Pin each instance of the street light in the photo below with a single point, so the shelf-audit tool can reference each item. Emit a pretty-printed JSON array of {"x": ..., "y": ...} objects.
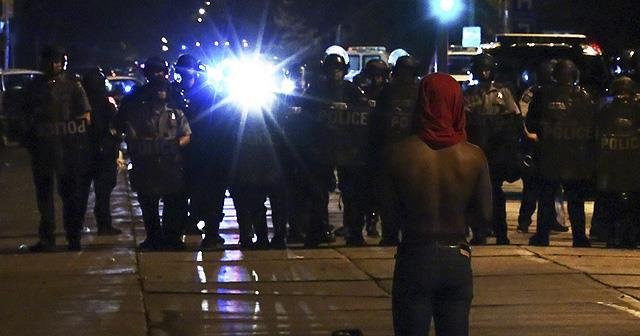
[{"x": 446, "y": 11}]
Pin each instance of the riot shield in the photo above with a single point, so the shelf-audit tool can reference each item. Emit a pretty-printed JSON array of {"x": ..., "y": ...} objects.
[
  {"x": 618, "y": 150},
  {"x": 347, "y": 133},
  {"x": 156, "y": 167},
  {"x": 566, "y": 143}
]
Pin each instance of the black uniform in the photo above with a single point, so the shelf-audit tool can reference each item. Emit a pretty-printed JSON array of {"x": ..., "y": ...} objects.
[
  {"x": 152, "y": 134},
  {"x": 391, "y": 121},
  {"x": 56, "y": 137},
  {"x": 258, "y": 174},
  {"x": 562, "y": 116},
  {"x": 617, "y": 166},
  {"x": 103, "y": 147},
  {"x": 341, "y": 138},
  {"x": 206, "y": 158},
  {"x": 495, "y": 125}
]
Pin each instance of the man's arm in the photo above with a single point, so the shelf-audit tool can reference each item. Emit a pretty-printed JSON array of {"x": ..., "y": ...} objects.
[
  {"x": 83, "y": 103},
  {"x": 184, "y": 130},
  {"x": 481, "y": 202}
]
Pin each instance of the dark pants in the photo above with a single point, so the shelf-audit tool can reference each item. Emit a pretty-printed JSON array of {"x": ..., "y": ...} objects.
[
  {"x": 531, "y": 192},
  {"x": 207, "y": 181},
  {"x": 432, "y": 281},
  {"x": 576, "y": 193},
  {"x": 311, "y": 202},
  {"x": 354, "y": 186},
  {"x": 499, "y": 209},
  {"x": 69, "y": 189},
  {"x": 103, "y": 173},
  {"x": 252, "y": 213},
  {"x": 173, "y": 216},
  {"x": 620, "y": 218}
]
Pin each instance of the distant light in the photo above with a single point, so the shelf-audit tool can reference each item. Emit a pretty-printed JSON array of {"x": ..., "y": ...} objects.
[
  {"x": 287, "y": 86},
  {"x": 127, "y": 88},
  {"x": 165, "y": 48},
  {"x": 618, "y": 70},
  {"x": 164, "y": 40},
  {"x": 201, "y": 11},
  {"x": 199, "y": 20},
  {"x": 216, "y": 43},
  {"x": 227, "y": 43},
  {"x": 245, "y": 44},
  {"x": 446, "y": 10},
  {"x": 183, "y": 47},
  {"x": 447, "y": 5},
  {"x": 197, "y": 44},
  {"x": 208, "y": 3}
]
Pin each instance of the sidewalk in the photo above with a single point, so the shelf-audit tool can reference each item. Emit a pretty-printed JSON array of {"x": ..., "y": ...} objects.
[{"x": 110, "y": 289}]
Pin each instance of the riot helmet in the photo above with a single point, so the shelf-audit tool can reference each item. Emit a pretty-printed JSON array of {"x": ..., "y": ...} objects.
[
  {"x": 623, "y": 87},
  {"x": 405, "y": 67},
  {"x": 156, "y": 70},
  {"x": 54, "y": 60},
  {"x": 565, "y": 72},
  {"x": 334, "y": 66},
  {"x": 187, "y": 67},
  {"x": 483, "y": 67},
  {"x": 376, "y": 67},
  {"x": 94, "y": 82},
  {"x": 545, "y": 71}
]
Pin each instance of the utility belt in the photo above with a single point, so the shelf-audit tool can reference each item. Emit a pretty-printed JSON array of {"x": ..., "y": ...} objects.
[{"x": 62, "y": 128}]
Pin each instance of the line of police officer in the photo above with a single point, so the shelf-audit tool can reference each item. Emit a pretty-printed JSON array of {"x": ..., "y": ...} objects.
[{"x": 188, "y": 148}]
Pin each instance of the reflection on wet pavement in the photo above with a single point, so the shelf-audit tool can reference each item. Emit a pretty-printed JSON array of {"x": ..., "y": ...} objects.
[{"x": 111, "y": 289}]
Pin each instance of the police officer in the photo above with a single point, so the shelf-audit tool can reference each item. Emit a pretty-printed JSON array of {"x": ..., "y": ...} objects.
[
  {"x": 562, "y": 117},
  {"x": 617, "y": 164},
  {"x": 494, "y": 124},
  {"x": 372, "y": 80},
  {"x": 344, "y": 110},
  {"x": 530, "y": 178},
  {"x": 206, "y": 177},
  {"x": 155, "y": 130},
  {"x": 103, "y": 147},
  {"x": 57, "y": 114},
  {"x": 392, "y": 121}
]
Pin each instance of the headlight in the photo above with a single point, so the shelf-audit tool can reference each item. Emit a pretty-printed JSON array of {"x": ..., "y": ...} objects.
[{"x": 249, "y": 83}]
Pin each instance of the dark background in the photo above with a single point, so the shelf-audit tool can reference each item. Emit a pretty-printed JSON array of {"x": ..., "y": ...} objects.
[{"x": 110, "y": 32}]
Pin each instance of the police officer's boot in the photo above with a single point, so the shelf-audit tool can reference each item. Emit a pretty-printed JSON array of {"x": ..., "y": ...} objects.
[
  {"x": 371, "y": 224},
  {"x": 108, "y": 230}
]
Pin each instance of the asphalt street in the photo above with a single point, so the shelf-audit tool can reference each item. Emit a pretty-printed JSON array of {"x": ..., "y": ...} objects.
[{"x": 111, "y": 289}]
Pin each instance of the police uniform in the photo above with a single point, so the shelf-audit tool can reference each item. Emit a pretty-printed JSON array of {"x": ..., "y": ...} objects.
[
  {"x": 152, "y": 134},
  {"x": 206, "y": 164},
  {"x": 258, "y": 175},
  {"x": 562, "y": 116},
  {"x": 342, "y": 141},
  {"x": 56, "y": 137},
  {"x": 103, "y": 171},
  {"x": 495, "y": 125},
  {"x": 391, "y": 121},
  {"x": 617, "y": 165}
]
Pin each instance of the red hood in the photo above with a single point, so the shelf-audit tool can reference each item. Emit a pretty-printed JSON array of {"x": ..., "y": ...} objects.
[{"x": 441, "y": 119}]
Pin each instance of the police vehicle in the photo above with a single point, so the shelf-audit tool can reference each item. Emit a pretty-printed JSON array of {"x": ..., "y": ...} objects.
[
  {"x": 518, "y": 56},
  {"x": 460, "y": 62},
  {"x": 120, "y": 86},
  {"x": 359, "y": 56},
  {"x": 12, "y": 85}
]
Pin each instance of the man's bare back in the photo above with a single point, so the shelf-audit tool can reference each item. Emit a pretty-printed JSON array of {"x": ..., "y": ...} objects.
[{"x": 433, "y": 190}]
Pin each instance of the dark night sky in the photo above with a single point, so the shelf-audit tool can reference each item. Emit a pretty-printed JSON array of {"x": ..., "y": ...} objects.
[{"x": 108, "y": 31}]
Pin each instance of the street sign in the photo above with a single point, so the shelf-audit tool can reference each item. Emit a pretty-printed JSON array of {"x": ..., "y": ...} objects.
[{"x": 471, "y": 36}]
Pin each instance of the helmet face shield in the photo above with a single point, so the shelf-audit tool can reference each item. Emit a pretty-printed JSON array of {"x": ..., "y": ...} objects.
[{"x": 54, "y": 60}]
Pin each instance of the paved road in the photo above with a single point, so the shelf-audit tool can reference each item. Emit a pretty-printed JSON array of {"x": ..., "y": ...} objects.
[{"x": 110, "y": 289}]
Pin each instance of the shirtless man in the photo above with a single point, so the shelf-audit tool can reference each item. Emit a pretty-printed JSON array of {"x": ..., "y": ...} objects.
[{"x": 437, "y": 181}]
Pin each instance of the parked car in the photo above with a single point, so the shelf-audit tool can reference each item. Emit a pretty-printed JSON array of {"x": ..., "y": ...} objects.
[{"x": 12, "y": 85}]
